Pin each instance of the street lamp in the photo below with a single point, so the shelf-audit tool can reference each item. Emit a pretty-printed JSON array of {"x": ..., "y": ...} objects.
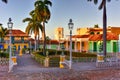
[
  {"x": 10, "y": 25},
  {"x": 70, "y": 26}
]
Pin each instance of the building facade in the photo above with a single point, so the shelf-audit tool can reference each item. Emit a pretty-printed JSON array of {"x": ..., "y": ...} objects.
[
  {"x": 19, "y": 39},
  {"x": 59, "y": 33},
  {"x": 90, "y": 40}
]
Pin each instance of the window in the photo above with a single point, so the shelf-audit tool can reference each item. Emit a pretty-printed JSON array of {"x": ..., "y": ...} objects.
[
  {"x": 25, "y": 46},
  {"x": 82, "y": 44}
]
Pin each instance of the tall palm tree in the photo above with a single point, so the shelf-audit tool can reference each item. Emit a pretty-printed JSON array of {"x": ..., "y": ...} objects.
[
  {"x": 43, "y": 15},
  {"x": 33, "y": 27},
  {"x": 3, "y": 32},
  {"x": 103, "y": 6}
]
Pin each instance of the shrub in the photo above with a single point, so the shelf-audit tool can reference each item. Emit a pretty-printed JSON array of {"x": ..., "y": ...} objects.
[
  {"x": 54, "y": 61},
  {"x": 74, "y": 54},
  {"x": 3, "y": 54},
  {"x": 39, "y": 57}
]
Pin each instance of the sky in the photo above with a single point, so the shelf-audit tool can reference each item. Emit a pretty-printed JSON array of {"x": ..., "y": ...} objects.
[{"x": 83, "y": 14}]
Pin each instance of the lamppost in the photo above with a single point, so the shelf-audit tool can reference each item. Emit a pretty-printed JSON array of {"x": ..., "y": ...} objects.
[
  {"x": 10, "y": 25},
  {"x": 70, "y": 26}
]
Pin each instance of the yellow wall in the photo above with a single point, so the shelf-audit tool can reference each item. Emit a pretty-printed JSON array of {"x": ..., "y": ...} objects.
[
  {"x": 59, "y": 33},
  {"x": 17, "y": 44},
  {"x": 86, "y": 45},
  {"x": 82, "y": 31},
  {"x": 78, "y": 46},
  {"x": 115, "y": 30}
]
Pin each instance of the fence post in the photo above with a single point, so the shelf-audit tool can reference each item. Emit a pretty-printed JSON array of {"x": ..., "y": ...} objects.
[
  {"x": 62, "y": 59},
  {"x": 14, "y": 59},
  {"x": 46, "y": 62},
  {"x": 100, "y": 60}
]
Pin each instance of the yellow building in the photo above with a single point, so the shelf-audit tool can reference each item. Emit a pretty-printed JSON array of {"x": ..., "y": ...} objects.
[
  {"x": 19, "y": 39},
  {"x": 85, "y": 31},
  {"x": 80, "y": 41},
  {"x": 59, "y": 33},
  {"x": 82, "y": 31}
]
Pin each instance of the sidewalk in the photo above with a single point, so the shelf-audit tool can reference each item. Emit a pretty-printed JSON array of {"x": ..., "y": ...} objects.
[
  {"x": 26, "y": 63},
  {"x": 28, "y": 69}
]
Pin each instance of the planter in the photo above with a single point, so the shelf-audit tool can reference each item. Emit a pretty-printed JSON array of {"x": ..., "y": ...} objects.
[
  {"x": 62, "y": 59},
  {"x": 46, "y": 63},
  {"x": 100, "y": 58},
  {"x": 14, "y": 59}
]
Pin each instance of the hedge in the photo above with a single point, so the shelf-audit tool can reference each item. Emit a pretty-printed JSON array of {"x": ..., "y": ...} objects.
[
  {"x": 74, "y": 54},
  {"x": 3, "y": 54}
]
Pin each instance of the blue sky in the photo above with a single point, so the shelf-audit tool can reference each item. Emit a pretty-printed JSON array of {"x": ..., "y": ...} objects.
[{"x": 83, "y": 13}]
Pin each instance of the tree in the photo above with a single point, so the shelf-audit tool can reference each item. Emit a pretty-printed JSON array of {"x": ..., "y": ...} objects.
[
  {"x": 43, "y": 14},
  {"x": 96, "y": 26},
  {"x": 33, "y": 27},
  {"x": 3, "y": 32},
  {"x": 103, "y": 6}
]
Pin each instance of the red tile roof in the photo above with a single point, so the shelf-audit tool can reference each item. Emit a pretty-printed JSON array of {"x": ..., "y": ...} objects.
[
  {"x": 54, "y": 42},
  {"x": 98, "y": 37},
  {"x": 18, "y": 33},
  {"x": 80, "y": 36}
]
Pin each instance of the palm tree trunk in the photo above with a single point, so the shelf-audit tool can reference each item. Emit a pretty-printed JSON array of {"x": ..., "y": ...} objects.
[
  {"x": 35, "y": 43},
  {"x": 44, "y": 46},
  {"x": 38, "y": 41},
  {"x": 104, "y": 28}
]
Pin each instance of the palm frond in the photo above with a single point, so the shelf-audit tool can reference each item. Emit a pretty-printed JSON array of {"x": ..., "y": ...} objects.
[
  {"x": 101, "y": 5},
  {"x": 37, "y": 3},
  {"x": 27, "y": 20},
  {"x": 95, "y": 1},
  {"x": 108, "y": 0},
  {"x": 47, "y": 2},
  {"x": 5, "y": 1}
]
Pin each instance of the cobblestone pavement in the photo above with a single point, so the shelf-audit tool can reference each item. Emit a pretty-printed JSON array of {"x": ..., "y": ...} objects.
[{"x": 28, "y": 69}]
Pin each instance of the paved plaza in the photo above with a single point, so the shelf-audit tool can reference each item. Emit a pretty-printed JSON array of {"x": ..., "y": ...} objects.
[{"x": 29, "y": 69}]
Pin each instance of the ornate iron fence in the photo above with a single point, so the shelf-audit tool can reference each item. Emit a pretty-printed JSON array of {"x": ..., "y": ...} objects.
[
  {"x": 4, "y": 62},
  {"x": 112, "y": 60}
]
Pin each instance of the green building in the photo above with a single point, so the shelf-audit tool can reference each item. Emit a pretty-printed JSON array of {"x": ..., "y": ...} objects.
[{"x": 96, "y": 43}]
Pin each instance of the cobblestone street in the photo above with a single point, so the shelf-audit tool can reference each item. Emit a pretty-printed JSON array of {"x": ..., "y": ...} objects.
[{"x": 28, "y": 69}]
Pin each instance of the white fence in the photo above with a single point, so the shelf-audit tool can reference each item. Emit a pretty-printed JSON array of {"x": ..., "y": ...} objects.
[
  {"x": 111, "y": 60},
  {"x": 4, "y": 62}
]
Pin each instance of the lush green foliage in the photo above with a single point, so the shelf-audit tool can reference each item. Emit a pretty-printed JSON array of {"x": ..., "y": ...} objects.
[
  {"x": 54, "y": 61},
  {"x": 74, "y": 54},
  {"x": 54, "y": 56},
  {"x": 39, "y": 58},
  {"x": 3, "y": 54}
]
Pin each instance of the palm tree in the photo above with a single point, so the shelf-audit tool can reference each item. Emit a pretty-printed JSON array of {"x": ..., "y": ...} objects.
[
  {"x": 3, "y": 32},
  {"x": 33, "y": 27},
  {"x": 103, "y": 6},
  {"x": 43, "y": 15}
]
